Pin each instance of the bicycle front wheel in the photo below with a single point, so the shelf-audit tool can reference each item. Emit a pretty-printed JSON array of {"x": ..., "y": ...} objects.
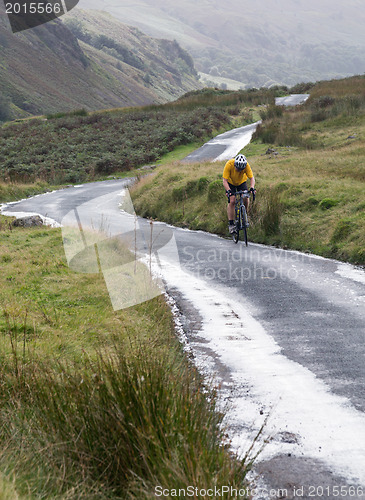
[
  {"x": 244, "y": 224},
  {"x": 245, "y": 235},
  {"x": 236, "y": 235}
]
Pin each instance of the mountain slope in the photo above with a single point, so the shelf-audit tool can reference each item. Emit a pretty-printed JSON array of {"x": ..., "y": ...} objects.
[
  {"x": 46, "y": 69},
  {"x": 162, "y": 65},
  {"x": 257, "y": 43}
]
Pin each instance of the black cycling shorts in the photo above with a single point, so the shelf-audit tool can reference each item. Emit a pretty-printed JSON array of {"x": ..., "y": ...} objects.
[{"x": 241, "y": 187}]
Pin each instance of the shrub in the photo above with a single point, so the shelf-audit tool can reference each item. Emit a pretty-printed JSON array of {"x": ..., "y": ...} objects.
[
  {"x": 179, "y": 193},
  {"x": 327, "y": 203},
  {"x": 358, "y": 255},
  {"x": 301, "y": 88},
  {"x": 105, "y": 165},
  {"x": 266, "y": 133},
  {"x": 312, "y": 201},
  {"x": 215, "y": 191},
  {"x": 348, "y": 105},
  {"x": 282, "y": 186},
  {"x": 202, "y": 184},
  {"x": 270, "y": 219},
  {"x": 271, "y": 112},
  {"x": 99, "y": 143},
  {"x": 342, "y": 230},
  {"x": 77, "y": 112},
  {"x": 322, "y": 102},
  {"x": 191, "y": 187},
  {"x": 318, "y": 116}
]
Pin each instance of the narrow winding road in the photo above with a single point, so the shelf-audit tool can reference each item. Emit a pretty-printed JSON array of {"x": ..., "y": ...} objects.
[{"x": 226, "y": 145}]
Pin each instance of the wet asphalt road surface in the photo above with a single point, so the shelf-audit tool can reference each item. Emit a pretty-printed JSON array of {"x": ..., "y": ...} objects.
[
  {"x": 224, "y": 146},
  {"x": 292, "y": 100}
]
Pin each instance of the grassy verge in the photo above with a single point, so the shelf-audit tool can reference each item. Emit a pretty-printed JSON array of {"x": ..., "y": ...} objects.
[
  {"x": 18, "y": 191},
  {"x": 95, "y": 403}
]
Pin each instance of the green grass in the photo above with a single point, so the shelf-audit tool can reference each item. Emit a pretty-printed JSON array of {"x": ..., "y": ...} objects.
[
  {"x": 8, "y": 490},
  {"x": 96, "y": 403},
  {"x": 17, "y": 191},
  {"x": 179, "y": 153},
  {"x": 327, "y": 119},
  {"x": 103, "y": 404}
]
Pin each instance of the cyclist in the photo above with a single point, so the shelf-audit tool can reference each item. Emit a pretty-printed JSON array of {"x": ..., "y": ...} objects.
[{"x": 235, "y": 174}]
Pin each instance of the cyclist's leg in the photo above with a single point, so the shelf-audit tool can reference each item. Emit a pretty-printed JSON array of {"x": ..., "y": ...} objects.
[
  {"x": 230, "y": 208},
  {"x": 231, "y": 204}
]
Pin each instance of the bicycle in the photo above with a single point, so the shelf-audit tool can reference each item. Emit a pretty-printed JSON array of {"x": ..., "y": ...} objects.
[{"x": 241, "y": 219}]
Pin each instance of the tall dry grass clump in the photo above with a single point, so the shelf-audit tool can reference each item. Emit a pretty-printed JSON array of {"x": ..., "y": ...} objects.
[
  {"x": 271, "y": 211},
  {"x": 112, "y": 428}
]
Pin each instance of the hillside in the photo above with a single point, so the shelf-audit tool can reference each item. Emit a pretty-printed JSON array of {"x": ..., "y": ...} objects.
[
  {"x": 46, "y": 69},
  {"x": 258, "y": 43},
  {"x": 160, "y": 65}
]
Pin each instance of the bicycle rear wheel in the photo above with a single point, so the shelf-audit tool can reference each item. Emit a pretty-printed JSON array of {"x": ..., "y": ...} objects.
[{"x": 236, "y": 235}]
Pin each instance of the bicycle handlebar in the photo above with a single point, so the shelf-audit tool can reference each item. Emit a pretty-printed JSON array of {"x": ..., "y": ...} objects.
[{"x": 246, "y": 194}]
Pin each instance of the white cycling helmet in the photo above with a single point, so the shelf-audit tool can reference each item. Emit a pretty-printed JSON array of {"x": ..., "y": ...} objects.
[{"x": 240, "y": 162}]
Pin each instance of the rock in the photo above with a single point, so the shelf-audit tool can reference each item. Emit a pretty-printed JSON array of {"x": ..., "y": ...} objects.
[
  {"x": 288, "y": 437},
  {"x": 29, "y": 221},
  {"x": 271, "y": 151}
]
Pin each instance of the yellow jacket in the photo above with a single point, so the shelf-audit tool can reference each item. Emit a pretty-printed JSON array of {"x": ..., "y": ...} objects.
[{"x": 233, "y": 176}]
